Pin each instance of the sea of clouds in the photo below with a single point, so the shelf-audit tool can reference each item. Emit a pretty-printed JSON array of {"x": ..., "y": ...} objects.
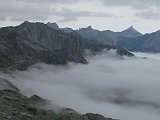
[{"x": 119, "y": 87}]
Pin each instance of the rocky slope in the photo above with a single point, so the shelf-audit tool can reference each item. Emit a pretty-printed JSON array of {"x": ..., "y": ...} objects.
[
  {"x": 15, "y": 106},
  {"x": 145, "y": 43},
  {"x": 31, "y": 43}
]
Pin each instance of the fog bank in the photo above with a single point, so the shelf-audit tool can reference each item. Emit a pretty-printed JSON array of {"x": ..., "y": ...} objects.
[{"x": 123, "y": 88}]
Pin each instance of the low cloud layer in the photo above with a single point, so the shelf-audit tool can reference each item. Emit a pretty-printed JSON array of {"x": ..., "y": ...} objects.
[{"x": 123, "y": 88}]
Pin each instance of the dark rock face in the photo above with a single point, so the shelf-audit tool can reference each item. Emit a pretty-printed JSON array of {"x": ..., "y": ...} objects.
[
  {"x": 31, "y": 43},
  {"x": 15, "y": 106},
  {"x": 145, "y": 43}
]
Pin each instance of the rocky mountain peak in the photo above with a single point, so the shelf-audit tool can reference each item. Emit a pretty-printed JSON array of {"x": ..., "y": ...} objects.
[
  {"x": 131, "y": 28},
  {"x": 131, "y": 32},
  {"x": 53, "y": 25},
  {"x": 89, "y": 28}
]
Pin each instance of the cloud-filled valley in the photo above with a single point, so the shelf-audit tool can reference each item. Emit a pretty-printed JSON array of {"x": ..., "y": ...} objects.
[{"x": 123, "y": 88}]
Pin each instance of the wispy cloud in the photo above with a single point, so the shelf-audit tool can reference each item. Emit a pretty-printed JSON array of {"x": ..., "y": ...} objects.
[
  {"x": 71, "y": 15},
  {"x": 136, "y": 4}
]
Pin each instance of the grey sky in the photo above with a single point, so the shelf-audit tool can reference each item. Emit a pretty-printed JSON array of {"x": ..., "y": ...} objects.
[
  {"x": 141, "y": 4},
  {"x": 101, "y": 14},
  {"x": 70, "y": 15}
]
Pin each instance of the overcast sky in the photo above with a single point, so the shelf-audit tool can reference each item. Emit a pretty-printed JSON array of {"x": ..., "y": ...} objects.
[{"x": 115, "y": 15}]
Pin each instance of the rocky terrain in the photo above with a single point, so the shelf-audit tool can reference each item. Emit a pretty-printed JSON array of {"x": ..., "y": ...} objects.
[
  {"x": 15, "y": 106},
  {"x": 30, "y": 43}
]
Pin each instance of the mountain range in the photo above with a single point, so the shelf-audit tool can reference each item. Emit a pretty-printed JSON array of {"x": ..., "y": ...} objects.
[
  {"x": 129, "y": 39},
  {"x": 31, "y": 43},
  {"x": 105, "y": 37}
]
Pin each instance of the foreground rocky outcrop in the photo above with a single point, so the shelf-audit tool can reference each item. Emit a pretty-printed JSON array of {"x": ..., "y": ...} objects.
[{"x": 15, "y": 106}]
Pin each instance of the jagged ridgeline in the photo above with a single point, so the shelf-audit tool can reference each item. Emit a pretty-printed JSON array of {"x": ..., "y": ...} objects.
[{"x": 31, "y": 43}]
